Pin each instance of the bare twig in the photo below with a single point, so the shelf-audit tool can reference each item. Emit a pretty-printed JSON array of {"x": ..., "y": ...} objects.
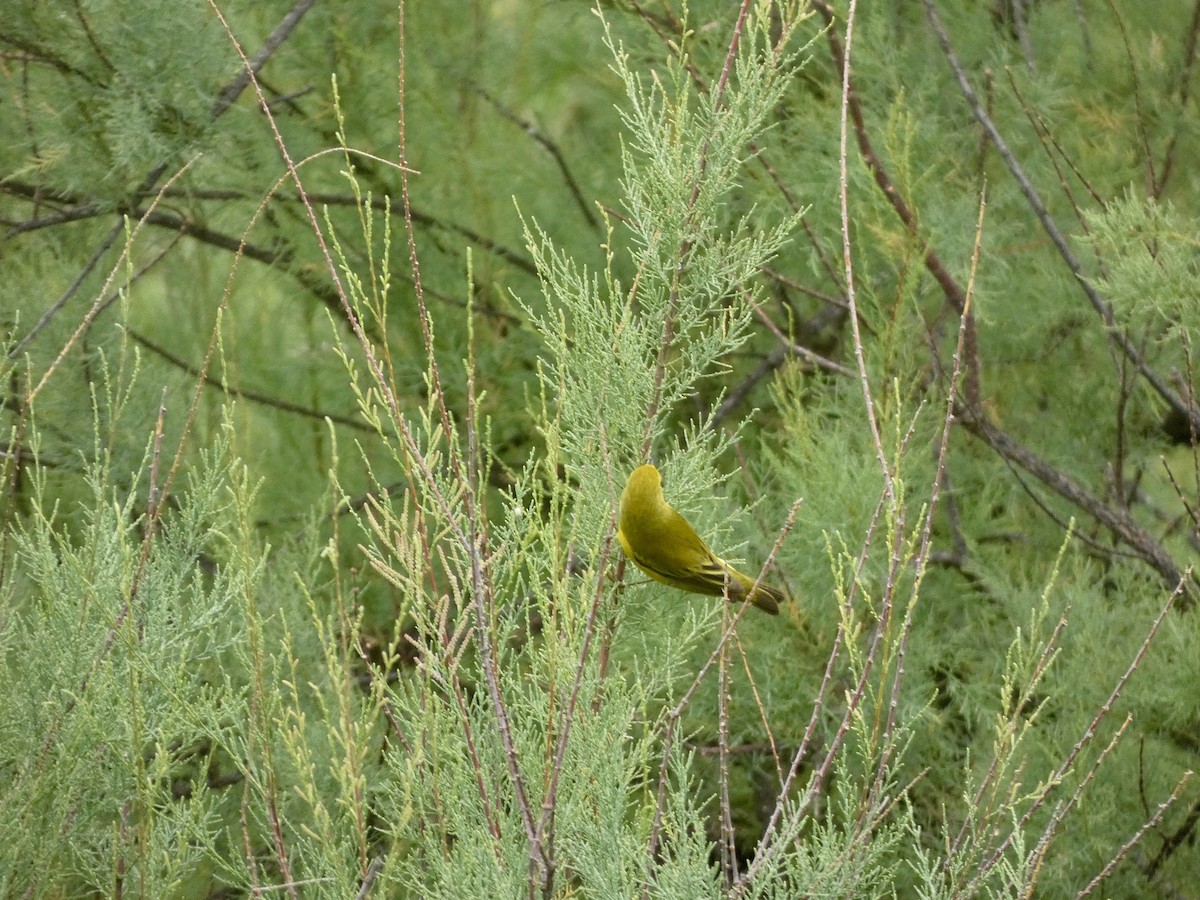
[
  {"x": 1176, "y": 839},
  {"x": 848, "y": 259},
  {"x": 1099, "y": 304},
  {"x": 1151, "y": 822},
  {"x": 1084, "y": 740},
  {"x": 254, "y": 64},
  {"x": 674, "y": 716},
  {"x": 727, "y": 844},
  {"x": 254, "y": 396},
  {"x": 1117, "y": 520},
  {"x": 981, "y": 822},
  {"x": 921, "y": 560},
  {"x": 933, "y": 263},
  {"x": 1185, "y": 91},
  {"x": 550, "y": 147},
  {"x": 368, "y": 881},
  {"x": 70, "y": 292}
]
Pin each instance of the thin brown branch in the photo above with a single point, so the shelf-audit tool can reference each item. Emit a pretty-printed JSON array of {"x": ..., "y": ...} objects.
[
  {"x": 253, "y": 396},
  {"x": 676, "y": 714},
  {"x": 954, "y": 293},
  {"x": 1116, "y": 520},
  {"x": 1177, "y": 839},
  {"x": 727, "y": 844},
  {"x": 1048, "y": 141},
  {"x": 1033, "y": 198},
  {"x": 545, "y": 828},
  {"x": 368, "y": 881},
  {"x": 933, "y": 263},
  {"x": 280, "y": 33},
  {"x": 1185, "y": 92},
  {"x": 1139, "y": 111},
  {"x": 735, "y": 397},
  {"x": 1085, "y": 739},
  {"x": 70, "y": 292},
  {"x": 550, "y": 147}
]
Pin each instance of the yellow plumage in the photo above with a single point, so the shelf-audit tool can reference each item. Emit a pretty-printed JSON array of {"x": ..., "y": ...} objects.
[{"x": 662, "y": 544}]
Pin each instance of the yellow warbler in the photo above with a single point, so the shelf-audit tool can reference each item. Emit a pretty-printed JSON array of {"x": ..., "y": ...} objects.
[{"x": 663, "y": 545}]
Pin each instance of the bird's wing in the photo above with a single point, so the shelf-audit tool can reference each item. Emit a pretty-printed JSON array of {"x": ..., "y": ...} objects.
[{"x": 687, "y": 562}]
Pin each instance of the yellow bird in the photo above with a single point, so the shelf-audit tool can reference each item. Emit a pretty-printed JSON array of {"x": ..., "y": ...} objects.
[{"x": 662, "y": 544}]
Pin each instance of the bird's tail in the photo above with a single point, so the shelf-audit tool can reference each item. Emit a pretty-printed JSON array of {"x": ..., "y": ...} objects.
[{"x": 764, "y": 596}]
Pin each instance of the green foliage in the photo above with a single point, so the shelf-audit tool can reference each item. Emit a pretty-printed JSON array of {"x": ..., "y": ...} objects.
[
  {"x": 308, "y": 575},
  {"x": 1151, "y": 258},
  {"x": 119, "y": 89},
  {"x": 113, "y": 682}
]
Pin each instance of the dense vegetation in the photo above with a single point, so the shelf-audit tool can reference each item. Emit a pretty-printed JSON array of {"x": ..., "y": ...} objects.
[{"x": 332, "y": 331}]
